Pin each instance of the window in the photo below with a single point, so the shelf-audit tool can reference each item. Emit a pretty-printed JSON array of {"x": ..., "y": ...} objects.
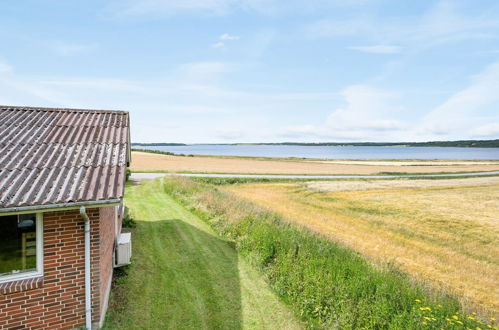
[{"x": 21, "y": 246}]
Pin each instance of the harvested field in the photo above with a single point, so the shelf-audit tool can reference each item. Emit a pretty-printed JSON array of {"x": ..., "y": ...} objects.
[
  {"x": 149, "y": 162},
  {"x": 359, "y": 185},
  {"x": 447, "y": 237}
]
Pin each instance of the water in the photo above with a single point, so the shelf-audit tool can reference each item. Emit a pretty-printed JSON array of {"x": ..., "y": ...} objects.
[{"x": 334, "y": 152}]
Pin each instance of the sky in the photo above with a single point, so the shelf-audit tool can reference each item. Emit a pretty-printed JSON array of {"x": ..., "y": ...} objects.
[{"x": 227, "y": 71}]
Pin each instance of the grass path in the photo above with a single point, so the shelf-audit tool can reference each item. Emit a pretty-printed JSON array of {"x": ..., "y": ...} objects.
[{"x": 184, "y": 276}]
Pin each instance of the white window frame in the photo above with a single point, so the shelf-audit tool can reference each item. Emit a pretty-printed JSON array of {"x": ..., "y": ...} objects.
[{"x": 39, "y": 255}]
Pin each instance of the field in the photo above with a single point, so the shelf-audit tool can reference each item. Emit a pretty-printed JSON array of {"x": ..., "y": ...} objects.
[
  {"x": 184, "y": 276},
  {"x": 150, "y": 162},
  {"x": 370, "y": 254},
  {"x": 327, "y": 284},
  {"x": 443, "y": 233}
]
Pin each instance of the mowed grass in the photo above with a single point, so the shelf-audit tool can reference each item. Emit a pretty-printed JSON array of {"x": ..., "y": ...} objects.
[
  {"x": 445, "y": 237},
  {"x": 183, "y": 276}
]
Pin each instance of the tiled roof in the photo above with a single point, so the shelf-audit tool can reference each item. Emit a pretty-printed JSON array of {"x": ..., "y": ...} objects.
[{"x": 53, "y": 156}]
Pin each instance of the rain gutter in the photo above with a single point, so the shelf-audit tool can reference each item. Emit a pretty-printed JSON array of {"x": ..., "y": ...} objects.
[{"x": 57, "y": 207}]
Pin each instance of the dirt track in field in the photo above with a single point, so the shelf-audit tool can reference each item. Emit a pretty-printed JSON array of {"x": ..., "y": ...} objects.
[{"x": 360, "y": 185}]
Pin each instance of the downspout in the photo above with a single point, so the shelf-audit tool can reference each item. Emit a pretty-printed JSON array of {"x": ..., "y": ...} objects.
[{"x": 88, "y": 301}]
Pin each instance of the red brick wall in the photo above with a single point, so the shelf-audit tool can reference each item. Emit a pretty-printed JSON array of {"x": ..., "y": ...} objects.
[
  {"x": 107, "y": 239},
  {"x": 58, "y": 300}
]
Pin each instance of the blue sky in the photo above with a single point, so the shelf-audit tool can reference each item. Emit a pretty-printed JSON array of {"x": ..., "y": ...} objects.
[{"x": 255, "y": 70}]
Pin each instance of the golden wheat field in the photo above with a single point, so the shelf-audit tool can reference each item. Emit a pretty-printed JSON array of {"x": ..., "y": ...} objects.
[
  {"x": 445, "y": 236},
  {"x": 149, "y": 162}
]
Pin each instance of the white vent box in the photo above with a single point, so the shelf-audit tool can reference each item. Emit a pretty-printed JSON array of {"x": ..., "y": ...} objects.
[{"x": 124, "y": 250}]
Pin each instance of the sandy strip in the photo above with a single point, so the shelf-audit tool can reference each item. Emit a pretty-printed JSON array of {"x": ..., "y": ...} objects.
[{"x": 148, "y": 162}]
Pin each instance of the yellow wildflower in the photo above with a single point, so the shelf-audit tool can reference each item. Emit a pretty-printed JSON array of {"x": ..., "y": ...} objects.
[
  {"x": 455, "y": 317},
  {"x": 459, "y": 322},
  {"x": 424, "y": 323},
  {"x": 471, "y": 318},
  {"x": 492, "y": 318},
  {"x": 417, "y": 300}
]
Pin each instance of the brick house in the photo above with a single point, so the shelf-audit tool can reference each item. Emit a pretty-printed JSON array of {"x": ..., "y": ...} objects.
[{"x": 62, "y": 179}]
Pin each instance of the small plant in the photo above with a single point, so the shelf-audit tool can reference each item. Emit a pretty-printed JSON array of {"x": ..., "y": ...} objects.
[{"x": 128, "y": 221}]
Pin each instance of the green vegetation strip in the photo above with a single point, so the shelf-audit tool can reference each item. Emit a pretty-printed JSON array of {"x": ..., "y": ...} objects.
[
  {"x": 184, "y": 276},
  {"x": 221, "y": 181},
  {"x": 459, "y": 143},
  {"x": 327, "y": 285}
]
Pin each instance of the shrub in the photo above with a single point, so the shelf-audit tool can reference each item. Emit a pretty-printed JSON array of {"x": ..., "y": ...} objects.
[{"x": 128, "y": 221}]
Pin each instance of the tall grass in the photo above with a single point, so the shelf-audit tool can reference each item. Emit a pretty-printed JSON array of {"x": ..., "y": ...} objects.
[{"x": 327, "y": 285}]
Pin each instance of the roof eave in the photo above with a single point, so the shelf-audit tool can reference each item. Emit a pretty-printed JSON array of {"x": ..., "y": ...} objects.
[{"x": 57, "y": 207}]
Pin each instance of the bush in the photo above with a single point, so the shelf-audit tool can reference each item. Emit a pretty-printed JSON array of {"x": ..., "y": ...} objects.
[
  {"x": 128, "y": 221},
  {"x": 327, "y": 285}
]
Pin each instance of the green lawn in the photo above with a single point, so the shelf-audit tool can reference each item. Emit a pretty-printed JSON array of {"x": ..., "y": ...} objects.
[{"x": 184, "y": 276}]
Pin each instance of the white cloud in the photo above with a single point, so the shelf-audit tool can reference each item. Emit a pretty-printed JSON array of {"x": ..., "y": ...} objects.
[
  {"x": 66, "y": 49},
  {"x": 5, "y": 67},
  {"x": 454, "y": 114},
  {"x": 368, "y": 114},
  {"x": 340, "y": 28},
  {"x": 227, "y": 36},
  {"x": 366, "y": 108},
  {"x": 161, "y": 8},
  {"x": 202, "y": 109},
  {"x": 196, "y": 69},
  {"x": 487, "y": 130},
  {"x": 218, "y": 45},
  {"x": 230, "y": 134},
  {"x": 157, "y": 8},
  {"x": 378, "y": 49},
  {"x": 442, "y": 23},
  {"x": 223, "y": 39}
]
